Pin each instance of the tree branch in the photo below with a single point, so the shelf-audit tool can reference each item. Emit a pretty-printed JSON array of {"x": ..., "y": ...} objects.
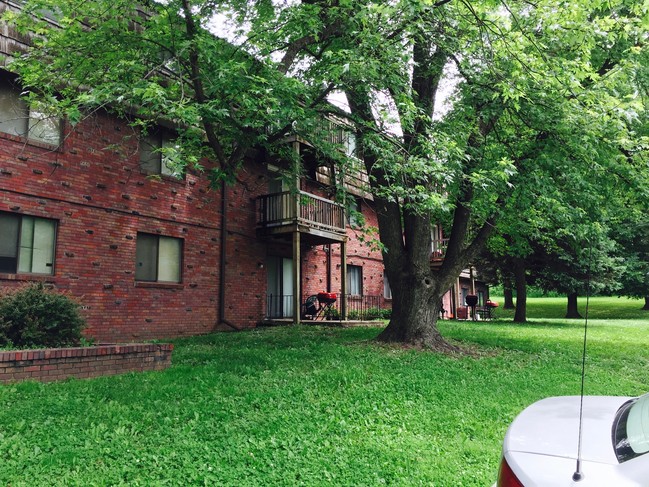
[{"x": 194, "y": 61}]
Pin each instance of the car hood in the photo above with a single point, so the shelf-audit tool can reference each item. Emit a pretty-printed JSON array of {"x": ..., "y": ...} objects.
[{"x": 551, "y": 427}]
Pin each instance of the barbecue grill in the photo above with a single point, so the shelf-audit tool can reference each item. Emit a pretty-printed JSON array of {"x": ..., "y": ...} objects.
[{"x": 317, "y": 305}]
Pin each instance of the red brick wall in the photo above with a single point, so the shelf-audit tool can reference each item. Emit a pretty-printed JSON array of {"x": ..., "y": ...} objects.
[
  {"x": 245, "y": 271},
  {"x": 93, "y": 187},
  {"x": 61, "y": 363},
  {"x": 360, "y": 253}
]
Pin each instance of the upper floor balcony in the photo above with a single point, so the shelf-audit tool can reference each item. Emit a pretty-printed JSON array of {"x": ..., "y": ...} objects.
[
  {"x": 288, "y": 212},
  {"x": 438, "y": 252}
]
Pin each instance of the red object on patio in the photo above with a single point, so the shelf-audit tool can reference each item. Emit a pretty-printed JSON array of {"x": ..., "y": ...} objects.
[
  {"x": 491, "y": 304},
  {"x": 325, "y": 302},
  {"x": 327, "y": 298}
]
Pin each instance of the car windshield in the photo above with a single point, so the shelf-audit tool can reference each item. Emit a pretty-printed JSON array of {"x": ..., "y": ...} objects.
[{"x": 631, "y": 429}]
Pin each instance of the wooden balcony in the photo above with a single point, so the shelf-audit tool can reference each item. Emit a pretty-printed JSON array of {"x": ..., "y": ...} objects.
[
  {"x": 438, "y": 252},
  {"x": 287, "y": 212}
]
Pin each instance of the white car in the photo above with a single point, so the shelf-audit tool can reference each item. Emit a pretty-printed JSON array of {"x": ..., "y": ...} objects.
[{"x": 540, "y": 447}]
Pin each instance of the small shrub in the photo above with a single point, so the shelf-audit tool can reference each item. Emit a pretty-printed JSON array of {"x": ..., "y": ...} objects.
[
  {"x": 370, "y": 314},
  {"x": 332, "y": 314},
  {"x": 373, "y": 314},
  {"x": 353, "y": 315},
  {"x": 33, "y": 316}
]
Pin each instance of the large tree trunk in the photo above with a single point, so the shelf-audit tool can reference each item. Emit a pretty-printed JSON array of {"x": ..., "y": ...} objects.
[
  {"x": 520, "y": 316},
  {"x": 572, "y": 311},
  {"x": 646, "y": 303},
  {"x": 414, "y": 303},
  {"x": 508, "y": 293},
  {"x": 405, "y": 230}
]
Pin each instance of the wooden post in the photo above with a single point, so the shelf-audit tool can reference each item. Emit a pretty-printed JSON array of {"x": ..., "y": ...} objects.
[
  {"x": 472, "y": 280},
  {"x": 343, "y": 280},
  {"x": 297, "y": 288},
  {"x": 458, "y": 297},
  {"x": 297, "y": 251}
]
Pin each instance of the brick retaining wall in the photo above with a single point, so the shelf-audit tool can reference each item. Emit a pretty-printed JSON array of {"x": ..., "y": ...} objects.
[{"x": 60, "y": 363}]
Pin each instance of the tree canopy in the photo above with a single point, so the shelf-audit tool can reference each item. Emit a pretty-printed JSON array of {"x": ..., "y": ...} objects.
[{"x": 464, "y": 112}]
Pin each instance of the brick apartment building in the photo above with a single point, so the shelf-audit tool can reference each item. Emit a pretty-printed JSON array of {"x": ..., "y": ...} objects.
[{"x": 94, "y": 210}]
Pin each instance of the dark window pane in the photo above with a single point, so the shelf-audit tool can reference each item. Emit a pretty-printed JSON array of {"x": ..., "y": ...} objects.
[
  {"x": 355, "y": 280},
  {"x": 27, "y": 244},
  {"x": 150, "y": 155},
  {"x": 146, "y": 257},
  {"x": 9, "y": 226},
  {"x": 13, "y": 110}
]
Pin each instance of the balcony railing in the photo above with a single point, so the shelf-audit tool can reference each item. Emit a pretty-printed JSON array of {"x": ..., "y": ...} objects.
[
  {"x": 358, "y": 308},
  {"x": 365, "y": 308},
  {"x": 286, "y": 208},
  {"x": 438, "y": 249},
  {"x": 279, "y": 306}
]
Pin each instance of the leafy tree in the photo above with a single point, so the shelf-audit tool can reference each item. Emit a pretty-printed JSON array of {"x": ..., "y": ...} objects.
[
  {"x": 535, "y": 91},
  {"x": 578, "y": 267},
  {"x": 632, "y": 235},
  {"x": 560, "y": 240}
]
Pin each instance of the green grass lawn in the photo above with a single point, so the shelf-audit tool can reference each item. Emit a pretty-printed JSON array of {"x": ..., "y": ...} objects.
[
  {"x": 610, "y": 308},
  {"x": 316, "y": 406}
]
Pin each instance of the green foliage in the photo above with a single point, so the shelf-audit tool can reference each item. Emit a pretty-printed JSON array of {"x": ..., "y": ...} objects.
[
  {"x": 332, "y": 314},
  {"x": 532, "y": 292},
  {"x": 168, "y": 68},
  {"x": 544, "y": 123},
  {"x": 379, "y": 314},
  {"x": 310, "y": 406},
  {"x": 600, "y": 308},
  {"x": 354, "y": 315},
  {"x": 33, "y": 316},
  {"x": 370, "y": 314}
]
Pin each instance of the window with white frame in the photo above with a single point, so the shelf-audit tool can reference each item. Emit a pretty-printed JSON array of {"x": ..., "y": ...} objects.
[
  {"x": 354, "y": 215},
  {"x": 155, "y": 153},
  {"x": 158, "y": 258},
  {"x": 355, "y": 280},
  {"x": 26, "y": 244},
  {"x": 17, "y": 117},
  {"x": 387, "y": 290},
  {"x": 349, "y": 144}
]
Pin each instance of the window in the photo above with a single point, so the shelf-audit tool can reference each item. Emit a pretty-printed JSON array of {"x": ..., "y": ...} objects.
[
  {"x": 155, "y": 154},
  {"x": 438, "y": 243},
  {"x": 26, "y": 244},
  {"x": 18, "y": 118},
  {"x": 344, "y": 137},
  {"x": 279, "y": 290},
  {"x": 387, "y": 290},
  {"x": 354, "y": 215},
  {"x": 465, "y": 293},
  {"x": 355, "y": 280},
  {"x": 277, "y": 182},
  {"x": 630, "y": 429},
  {"x": 349, "y": 144},
  {"x": 158, "y": 259}
]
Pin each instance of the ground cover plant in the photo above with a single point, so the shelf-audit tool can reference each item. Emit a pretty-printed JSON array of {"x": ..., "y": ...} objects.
[
  {"x": 600, "y": 307},
  {"x": 311, "y": 406},
  {"x": 34, "y": 316}
]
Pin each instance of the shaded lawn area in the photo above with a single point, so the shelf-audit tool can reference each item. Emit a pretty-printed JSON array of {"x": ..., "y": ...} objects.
[
  {"x": 310, "y": 406},
  {"x": 600, "y": 307}
]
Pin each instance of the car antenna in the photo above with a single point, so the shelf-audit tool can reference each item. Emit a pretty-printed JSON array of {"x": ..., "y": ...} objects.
[{"x": 578, "y": 475}]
